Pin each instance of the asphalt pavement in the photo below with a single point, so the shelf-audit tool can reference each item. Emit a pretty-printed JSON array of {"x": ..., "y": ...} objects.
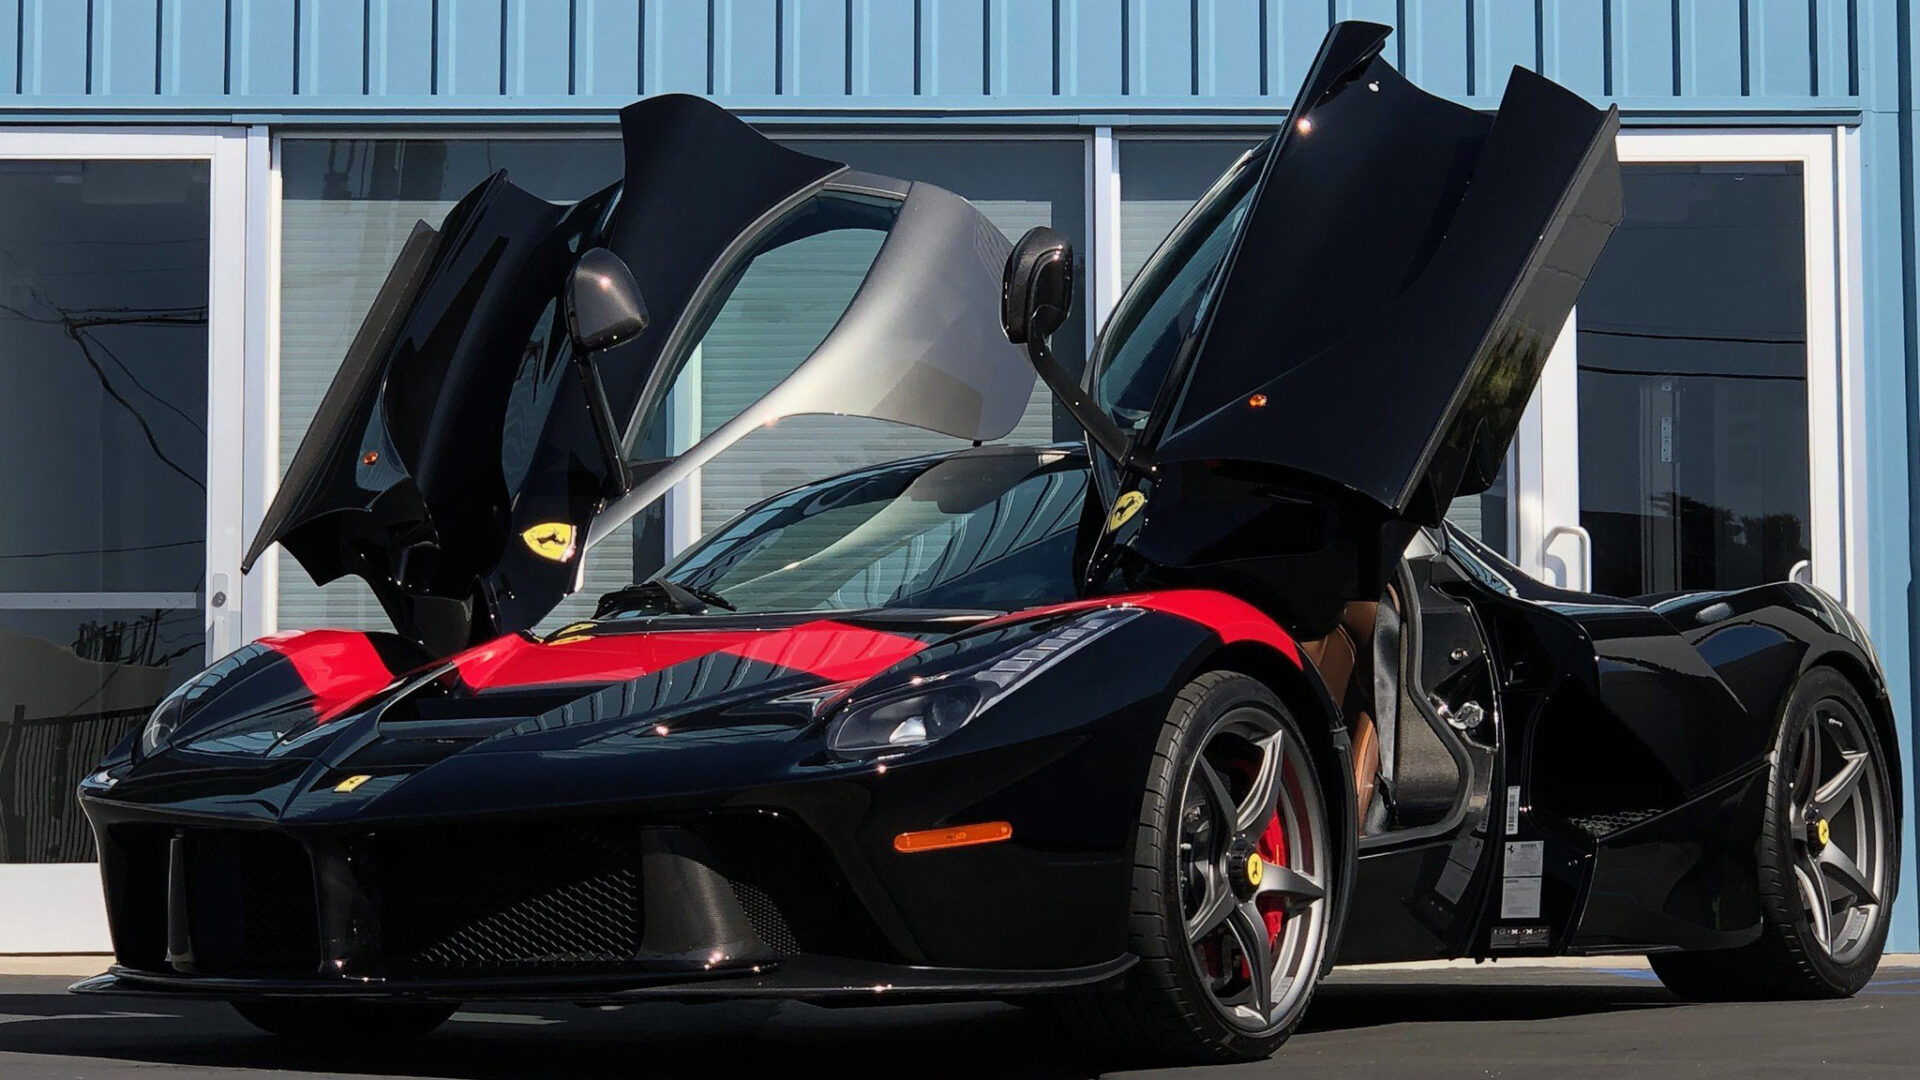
[{"x": 1494, "y": 1020}]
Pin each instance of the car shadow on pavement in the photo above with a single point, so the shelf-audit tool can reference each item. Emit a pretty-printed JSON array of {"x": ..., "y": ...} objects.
[
  {"x": 1344, "y": 1006},
  {"x": 662, "y": 1042}
]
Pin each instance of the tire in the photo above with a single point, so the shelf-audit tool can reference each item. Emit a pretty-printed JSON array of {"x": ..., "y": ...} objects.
[
  {"x": 1198, "y": 1001},
  {"x": 344, "y": 1023},
  {"x": 1799, "y": 956}
]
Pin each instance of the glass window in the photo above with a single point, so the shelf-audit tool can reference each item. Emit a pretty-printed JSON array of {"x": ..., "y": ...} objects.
[
  {"x": 1693, "y": 382},
  {"x": 1164, "y": 305},
  {"x": 103, "y": 415},
  {"x": 991, "y": 530},
  {"x": 1160, "y": 179}
]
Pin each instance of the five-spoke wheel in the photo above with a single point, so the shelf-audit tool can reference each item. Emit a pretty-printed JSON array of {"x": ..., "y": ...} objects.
[
  {"x": 1838, "y": 825},
  {"x": 1252, "y": 866},
  {"x": 1233, "y": 884},
  {"x": 1828, "y": 859}
]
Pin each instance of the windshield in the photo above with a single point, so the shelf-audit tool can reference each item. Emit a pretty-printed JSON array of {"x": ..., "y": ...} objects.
[
  {"x": 986, "y": 529},
  {"x": 1163, "y": 306}
]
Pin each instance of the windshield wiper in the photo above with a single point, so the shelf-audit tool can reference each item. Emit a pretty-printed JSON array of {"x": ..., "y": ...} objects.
[{"x": 677, "y": 598}]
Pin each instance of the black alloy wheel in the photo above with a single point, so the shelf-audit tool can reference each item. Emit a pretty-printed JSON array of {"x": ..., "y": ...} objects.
[
  {"x": 1233, "y": 880},
  {"x": 1829, "y": 860}
]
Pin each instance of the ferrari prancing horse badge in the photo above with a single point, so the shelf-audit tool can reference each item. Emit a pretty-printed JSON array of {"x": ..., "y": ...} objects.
[{"x": 550, "y": 540}]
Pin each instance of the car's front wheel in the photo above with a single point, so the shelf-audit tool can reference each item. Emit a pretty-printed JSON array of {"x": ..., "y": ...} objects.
[
  {"x": 1829, "y": 857},
  {"x": 343, "y": 1023},
  {"x": 1233, "y": 870}
]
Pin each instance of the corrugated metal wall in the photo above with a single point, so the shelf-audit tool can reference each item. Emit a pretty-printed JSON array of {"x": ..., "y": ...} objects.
[{"x": 1087, "y": 53}]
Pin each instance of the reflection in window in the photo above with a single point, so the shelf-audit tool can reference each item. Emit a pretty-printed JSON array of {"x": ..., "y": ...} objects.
[
  {"x": 103, "y": 419},
  {"x": 988, "y": 530},
  {"x": 1693, "y": 382},
  {"x": 1166, "y": 302},
  {"x": 1160, "y": 180}
]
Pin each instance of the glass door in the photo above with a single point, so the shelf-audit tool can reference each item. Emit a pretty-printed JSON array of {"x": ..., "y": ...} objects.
[
  {"x": 1686, "y": 435},
  {"x": 108, "y": 325}
]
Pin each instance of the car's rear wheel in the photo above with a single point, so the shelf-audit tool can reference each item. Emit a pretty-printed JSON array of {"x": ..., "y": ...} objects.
[
  {"x": 1828, "y": 861},
  {"x": 1232, "y": 875},
  {"x": 343, "y": 1023}
]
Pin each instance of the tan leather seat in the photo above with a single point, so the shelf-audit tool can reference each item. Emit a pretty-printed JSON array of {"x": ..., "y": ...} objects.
[{"x": 1344, "y": 659}]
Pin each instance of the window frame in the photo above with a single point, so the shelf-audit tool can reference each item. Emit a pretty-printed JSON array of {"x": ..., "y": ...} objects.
[
  {"x": 57, "y": 907},
  {"x": 1548, "y": 540}
]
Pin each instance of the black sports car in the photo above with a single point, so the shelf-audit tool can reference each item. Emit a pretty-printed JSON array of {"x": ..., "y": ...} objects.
[{"x": 1159, "y": 726}]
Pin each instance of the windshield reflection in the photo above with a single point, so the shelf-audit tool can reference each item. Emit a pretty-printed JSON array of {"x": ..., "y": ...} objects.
[{"x": 990, "y": 529}]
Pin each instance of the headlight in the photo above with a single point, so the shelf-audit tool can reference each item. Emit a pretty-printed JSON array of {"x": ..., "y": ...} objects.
[
  {"x": 931, "y": 708},
  {"x": 163, "y": 723}
]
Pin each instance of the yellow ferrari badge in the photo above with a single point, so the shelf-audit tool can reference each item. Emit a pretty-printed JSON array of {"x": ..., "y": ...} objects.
[
  {"x": 1823, "y": 832},
  {"x": 351, "y": 783},
  {"x": 571, "y": 633},
  {"x": 1124, "y": 508},
  {"x": 1255, "y": 868},
  {"x": 551, "y": 540}
]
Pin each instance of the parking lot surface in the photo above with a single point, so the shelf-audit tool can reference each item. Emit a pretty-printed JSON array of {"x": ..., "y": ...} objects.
[{"x": 1448, "y": 1021}]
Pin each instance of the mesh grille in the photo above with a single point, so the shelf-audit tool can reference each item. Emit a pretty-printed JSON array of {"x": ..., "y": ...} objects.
[
  {"x": 511, "y": 899},
  {"x": 768, "y": 920},
  {"x": 251, "y": 905},
  {"x": 1609, "y": 823}
]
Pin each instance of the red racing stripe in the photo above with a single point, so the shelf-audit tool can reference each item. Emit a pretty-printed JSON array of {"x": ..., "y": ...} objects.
[
  {"x": 832, "y": 650},
  {"x": 1233, "y": 619},
  {"x": 340, "y": 667}
]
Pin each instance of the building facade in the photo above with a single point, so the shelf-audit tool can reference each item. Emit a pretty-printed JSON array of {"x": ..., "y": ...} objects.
[{"x": 199, "y": 198}]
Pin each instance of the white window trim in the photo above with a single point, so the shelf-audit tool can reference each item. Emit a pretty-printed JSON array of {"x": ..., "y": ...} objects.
[
  {"x": 1103, "y": 230},
  {"x": 1547, "y": 478},
  {"x": 57, "y": 907}
]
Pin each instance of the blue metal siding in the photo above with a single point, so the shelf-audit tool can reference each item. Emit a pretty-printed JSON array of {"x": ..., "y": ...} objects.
[{"x": 1093, "y": 55}]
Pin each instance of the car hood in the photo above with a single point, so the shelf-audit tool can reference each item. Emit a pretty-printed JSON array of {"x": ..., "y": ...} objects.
[
  {"x": 289, "y": 697},
  {"x": 455, "y": 463},
  {"x": 1381, "y": 315}
]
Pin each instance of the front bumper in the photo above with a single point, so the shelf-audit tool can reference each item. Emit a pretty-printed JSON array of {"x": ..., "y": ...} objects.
[
  {"x": 590, "y": 856},
  {"x": 823, "y": 980}
]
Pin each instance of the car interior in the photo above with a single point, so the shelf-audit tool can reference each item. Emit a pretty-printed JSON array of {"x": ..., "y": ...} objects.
[{"x": 1410, "y": 674}]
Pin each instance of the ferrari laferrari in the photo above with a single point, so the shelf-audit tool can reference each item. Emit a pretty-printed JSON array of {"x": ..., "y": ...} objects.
[{"x": 1151, "y": 727}]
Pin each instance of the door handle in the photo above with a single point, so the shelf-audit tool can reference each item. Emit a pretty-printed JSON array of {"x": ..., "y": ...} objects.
[{"x": 1585, "y": 564}]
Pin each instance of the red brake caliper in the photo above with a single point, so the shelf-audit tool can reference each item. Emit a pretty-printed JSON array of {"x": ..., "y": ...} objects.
[{"x": 1273, "y": 848}]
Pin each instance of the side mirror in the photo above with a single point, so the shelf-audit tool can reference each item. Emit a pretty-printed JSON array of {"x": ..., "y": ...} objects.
[
  {"x": 603, "y": 309},
  {"x": 603, "y": 302},
  {"x": 1036, "y": 290}
]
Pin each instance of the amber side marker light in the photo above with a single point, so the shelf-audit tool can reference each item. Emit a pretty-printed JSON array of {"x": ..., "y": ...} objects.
[{"x": 987, "y": 832}]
